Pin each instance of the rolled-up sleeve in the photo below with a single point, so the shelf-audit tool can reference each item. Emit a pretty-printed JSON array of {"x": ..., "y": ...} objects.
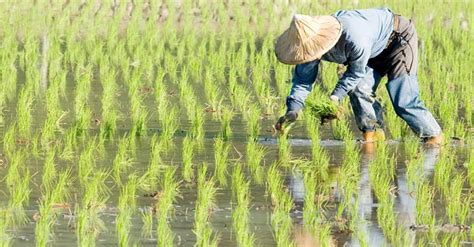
[
  {"x": 358, "y": 58},
  {"x": 303, "y": 80}
]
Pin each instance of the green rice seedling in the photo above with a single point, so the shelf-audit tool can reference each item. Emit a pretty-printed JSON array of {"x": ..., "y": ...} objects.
[
  {"x": 212, "y": 92},
  {"x": 155, "y": 165},
  {"x": 169, "y": 126},
  {"x": 282, "y": 224},
  {"x": 9, "y": 144},
  {"x": 54, "y": 116},
  {"x": 240, "y": 214},
  {"x": 457, "y": 209},
  {"x": 88, "y": 222},
  {"x": 204, "y": 206},
  {"x": 310, "y": 211},
  {"x": 69, "y": 145},
  {"x": 165, "y": 235},
  {"x": 284, "y": 148},
  {"x": 197, "y": 125},
  {"x": 424, "y": 205},
  {"x": 83, "y": 76},
  {"x": 324, "y": 233},
  {"x": 341, "y": 130},
  {"x": 319, "y": 155},
  {"x": 240, "y": 98},
  {"x": 5, "y": 237},
  {"x": 252, "y": 116},
  {"x": 109, "y": 124},
  {"x": 19, "y": 195},
  {"x": 323, "y": 109},
  {"x": 25, "y": 101},
  {"x": 187, "y": 156},
  {"x": 395, "y": 125},
  {"x": 411, "y": 147},
  {"x": 282, "y": 73},
  {"x": 281, "y": 200},
  {"x": 147, "y": 219},
  {"x": 49, "y": 169},
  {"x": 221, "y": 155},
  {"x": 470, "y": 169},
  {"x": 468, "y": 110},
  {"x": 414, "y": 171},
  {"x": 126, "y": 207},
  {"x": 348, "y": 180},
  {"x": 139, "y": 115},
  {"x": 83, "y": 120},
  {"x": 232, "y": 80},
  {"x": 255, "y": 155},
  {"x": 444, "y": 171},
  {"x": 122, "y": 160},
  {"x": 51, "y": 196},
  {"x": 226, "y": 130},
  {"x": 164, "y": 206},
  {"x": 274, "y": 183},
  {"x": 451, "y": 240},
  {"x": 87, "y": 162}
]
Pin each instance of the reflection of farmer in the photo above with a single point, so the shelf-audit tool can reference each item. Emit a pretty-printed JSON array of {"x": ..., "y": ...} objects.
[{"x": 372, "y": 43}]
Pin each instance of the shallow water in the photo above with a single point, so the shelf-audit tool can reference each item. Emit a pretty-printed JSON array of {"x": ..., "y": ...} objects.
[{"x": 182, "y": 222}]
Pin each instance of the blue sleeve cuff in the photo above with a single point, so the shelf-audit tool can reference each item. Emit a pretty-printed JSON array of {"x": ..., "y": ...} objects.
[{"x": 292, "y": 104}]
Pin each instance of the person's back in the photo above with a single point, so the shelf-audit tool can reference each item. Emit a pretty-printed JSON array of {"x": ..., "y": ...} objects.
[{"x": 367, "y": 26}]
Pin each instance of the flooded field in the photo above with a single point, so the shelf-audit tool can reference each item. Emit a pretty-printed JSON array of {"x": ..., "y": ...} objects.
[{"x": 150, "y": 123}]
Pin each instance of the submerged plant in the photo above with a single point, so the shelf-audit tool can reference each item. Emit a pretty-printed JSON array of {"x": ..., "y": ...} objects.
[
  {"x": 205, "y": 204},
  {"x": 164, "y": 206},
  {"x": 253, "y": 126},
  {"x": 240, "y": 214},
  {"x": 283, "y": 203},
  {"x": 88, "y": 222},
  {"x": 126, "y": 207},
  {"x": 187, "y": 155},
  {"x": 122, "y": 159},
  {"x": 221, "y": 153},
  {"x": 255, "y": 155},
  {"x": 226, "y": 130},
  {"x": 424, "y": 204}
]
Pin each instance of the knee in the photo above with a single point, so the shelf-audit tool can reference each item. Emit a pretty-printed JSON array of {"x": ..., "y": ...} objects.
[{"x": 362, "y": 91}]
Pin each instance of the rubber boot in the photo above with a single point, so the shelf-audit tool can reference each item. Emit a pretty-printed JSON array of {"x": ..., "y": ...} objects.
[
  {"x": 434, "y": 140},
  {"x": 373, "y": 136},
  {"x": 369, "y": 136}
]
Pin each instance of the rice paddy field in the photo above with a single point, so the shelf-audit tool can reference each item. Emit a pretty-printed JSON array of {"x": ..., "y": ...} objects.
[{"x": 149, "y": 123}]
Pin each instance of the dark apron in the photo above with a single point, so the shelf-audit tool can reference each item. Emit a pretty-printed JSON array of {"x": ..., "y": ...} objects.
[{"x": 401, "y": 55}]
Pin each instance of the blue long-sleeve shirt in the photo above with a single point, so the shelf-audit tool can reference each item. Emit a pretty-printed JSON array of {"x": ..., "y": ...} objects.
[{"x": 365, "y": 34}]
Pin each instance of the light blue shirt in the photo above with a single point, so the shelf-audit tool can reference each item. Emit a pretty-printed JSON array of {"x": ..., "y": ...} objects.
[{"x": 365, "y": 35}]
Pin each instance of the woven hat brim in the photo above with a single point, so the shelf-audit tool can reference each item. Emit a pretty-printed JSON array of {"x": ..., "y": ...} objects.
[{"x": 294, "y": 46}]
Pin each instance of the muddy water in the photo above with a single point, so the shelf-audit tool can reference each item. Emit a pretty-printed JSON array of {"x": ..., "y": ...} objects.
[{"x": 182, "y": 222}]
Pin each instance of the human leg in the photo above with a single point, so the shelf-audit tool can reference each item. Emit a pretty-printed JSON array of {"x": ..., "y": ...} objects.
[
  {"x": 404, "y": 94},
  {"x": 400, "y": 61},
  {"x": 367, "y": 110}
]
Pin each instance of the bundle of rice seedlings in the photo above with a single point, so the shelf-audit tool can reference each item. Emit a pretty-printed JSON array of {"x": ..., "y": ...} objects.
[{"x": 323, "y": 109}]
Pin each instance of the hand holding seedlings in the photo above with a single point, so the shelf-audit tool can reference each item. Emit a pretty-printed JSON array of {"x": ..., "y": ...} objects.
[
  {"x": 286, "y": 121},
  {"x": 325, "y": 110}
]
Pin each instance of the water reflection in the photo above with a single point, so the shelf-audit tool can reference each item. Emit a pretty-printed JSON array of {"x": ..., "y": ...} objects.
[{"x": 366, "y": 220}]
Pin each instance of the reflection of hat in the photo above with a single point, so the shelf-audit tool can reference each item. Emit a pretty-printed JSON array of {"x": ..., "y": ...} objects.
[{"x": 307, "y": 38}]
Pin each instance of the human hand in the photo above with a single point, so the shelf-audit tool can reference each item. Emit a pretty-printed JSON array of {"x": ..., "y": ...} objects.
[
  {"x": 283, "y": 121},
  {"x": 337, "y": 114},
  {"x": 334, "y": 99}
]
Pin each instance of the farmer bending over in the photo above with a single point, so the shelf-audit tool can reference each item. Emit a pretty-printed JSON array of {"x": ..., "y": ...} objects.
[{"x": 372, "y": 43}]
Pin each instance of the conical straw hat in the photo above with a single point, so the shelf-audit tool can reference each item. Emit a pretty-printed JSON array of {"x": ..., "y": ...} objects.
[{"x": 307, "y": 38}]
